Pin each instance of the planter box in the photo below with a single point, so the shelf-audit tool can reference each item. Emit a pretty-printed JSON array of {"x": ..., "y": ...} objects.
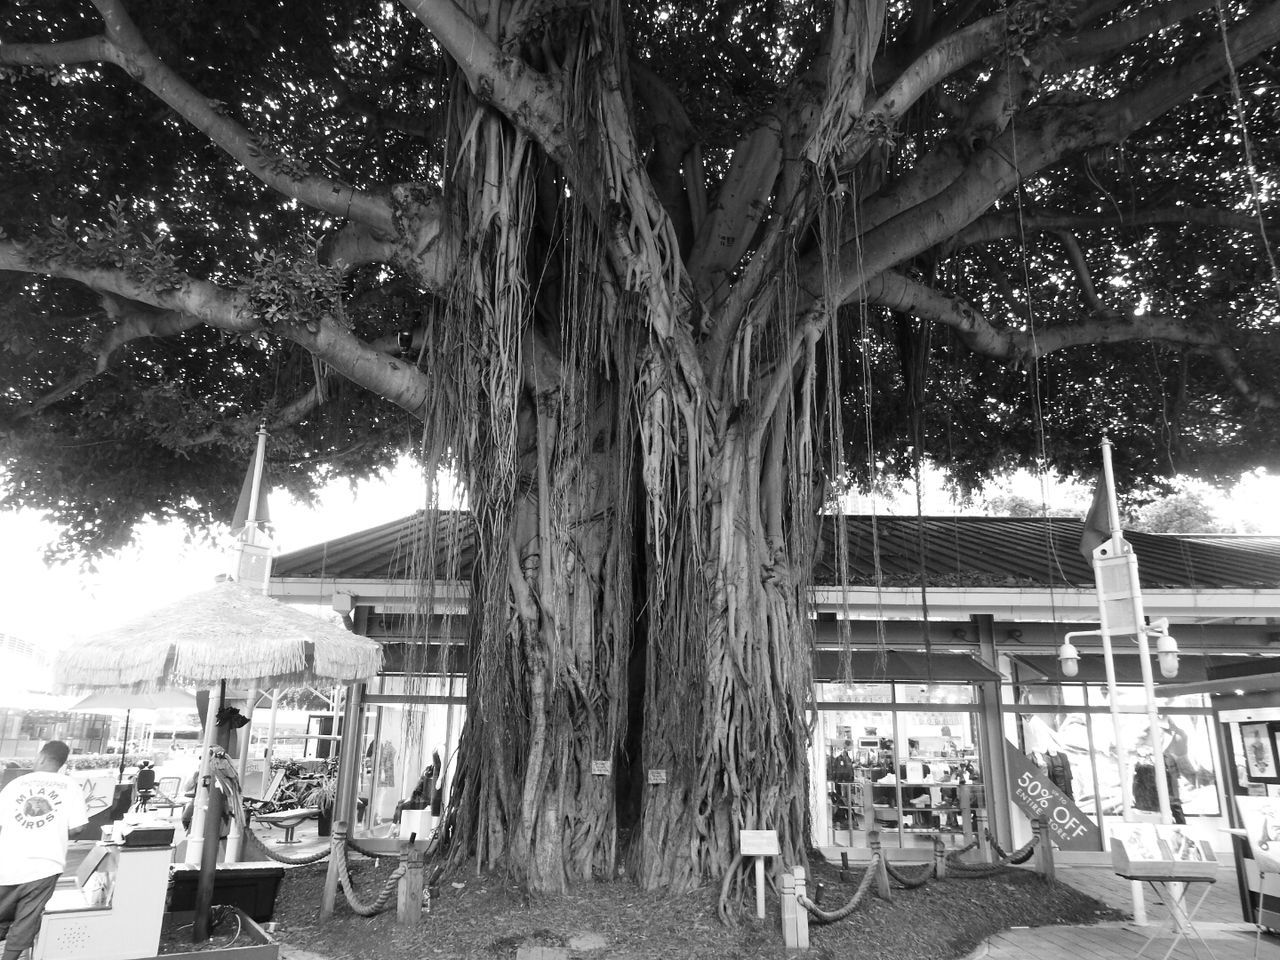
[
  {"x": 251, "y": 887},
  {"x": 253, "y": 943}
]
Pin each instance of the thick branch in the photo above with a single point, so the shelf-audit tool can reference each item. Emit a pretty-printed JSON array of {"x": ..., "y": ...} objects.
[
  {"x": 897, "y": 292},
  {"x": 1091, "y": 49},
  {"x": 1003, "y": 226},
  {"x": 399, "y": 382},
  {"x": 527, "y": 98},
  {"x": 125, "y": 47}
]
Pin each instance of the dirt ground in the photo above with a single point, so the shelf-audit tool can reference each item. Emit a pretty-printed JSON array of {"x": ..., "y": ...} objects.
[{"x": 481, "y": 917}]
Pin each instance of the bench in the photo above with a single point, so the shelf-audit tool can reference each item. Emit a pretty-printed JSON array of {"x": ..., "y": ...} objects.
[{"x": 289, "y": 820}]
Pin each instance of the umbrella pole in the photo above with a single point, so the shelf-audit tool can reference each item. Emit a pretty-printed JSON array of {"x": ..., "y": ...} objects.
[
  {"x": 124, "y": 747},
  {"x": 195, "y": 839},
  {"x": 270, "y": 753},
  {"x": 209, "y": 850}
]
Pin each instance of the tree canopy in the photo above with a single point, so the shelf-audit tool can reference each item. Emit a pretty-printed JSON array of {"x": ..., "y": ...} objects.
[
  {"x": 656, "y": 278},
  {"x": 1051, "y": 202}
]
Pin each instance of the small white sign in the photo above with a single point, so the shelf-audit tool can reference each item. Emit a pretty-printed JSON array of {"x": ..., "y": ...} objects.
[
  {"x": 759, "y": 843},
  {"x": 657, "y": 775},
  {"x": 601, "y": 768}
]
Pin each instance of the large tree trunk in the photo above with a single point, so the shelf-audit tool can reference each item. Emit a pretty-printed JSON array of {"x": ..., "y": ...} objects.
[
  {"x": 548, "y": 694},
  {"x": 728, "y": 676}
]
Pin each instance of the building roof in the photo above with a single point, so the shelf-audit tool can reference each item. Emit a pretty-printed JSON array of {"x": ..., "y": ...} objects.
[{"x": 957, "y": 552}]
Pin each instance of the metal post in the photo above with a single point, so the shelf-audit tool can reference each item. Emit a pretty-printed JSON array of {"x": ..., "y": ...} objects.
[
  {"x": 1113, "y": 521},
  {"x": 344, "y": 807}
]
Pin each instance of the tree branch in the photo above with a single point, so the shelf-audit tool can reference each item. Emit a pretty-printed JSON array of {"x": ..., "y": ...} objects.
[
  {"x": 527, "y": 98},
  {"x": 131, "y": 324},
  {"x": 893, "y": 290},
  {"x": 1091, "y": 49},
  {"x": 1003, "y": 226},
  {"x": 393, "y": 379},
  {"x": 1076, "y": 256},
  {"x": 125, "y": 47}
]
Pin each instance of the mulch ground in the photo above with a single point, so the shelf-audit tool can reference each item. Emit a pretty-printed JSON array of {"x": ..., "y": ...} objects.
[{"x": 483, "y": 917}]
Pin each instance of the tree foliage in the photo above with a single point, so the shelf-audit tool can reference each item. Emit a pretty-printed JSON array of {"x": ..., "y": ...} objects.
[{"x": 655, "y": 278}]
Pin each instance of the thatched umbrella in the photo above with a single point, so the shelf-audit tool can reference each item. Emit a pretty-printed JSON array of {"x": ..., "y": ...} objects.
[{"x": 229, "y": 633}]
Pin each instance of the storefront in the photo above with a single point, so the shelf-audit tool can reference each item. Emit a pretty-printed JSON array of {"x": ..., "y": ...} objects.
[{"x": 900, "y": 734}]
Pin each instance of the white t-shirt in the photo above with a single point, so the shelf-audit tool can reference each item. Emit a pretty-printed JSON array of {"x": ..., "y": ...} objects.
[{"x": 37, "y": 811}]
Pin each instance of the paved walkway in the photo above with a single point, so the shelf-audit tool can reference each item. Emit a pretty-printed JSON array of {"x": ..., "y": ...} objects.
[{"x": 1226, "y": 936}]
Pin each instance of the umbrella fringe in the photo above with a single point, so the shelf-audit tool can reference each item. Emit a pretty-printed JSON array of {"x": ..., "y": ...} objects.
[{"x": 227, "y": 633}]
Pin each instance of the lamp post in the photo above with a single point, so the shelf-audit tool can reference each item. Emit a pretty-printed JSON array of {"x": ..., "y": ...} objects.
[{"x": 1120, "y": 613}]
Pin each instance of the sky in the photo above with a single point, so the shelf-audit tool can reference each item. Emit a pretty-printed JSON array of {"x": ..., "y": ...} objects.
[{"x": 58, "y": 604}]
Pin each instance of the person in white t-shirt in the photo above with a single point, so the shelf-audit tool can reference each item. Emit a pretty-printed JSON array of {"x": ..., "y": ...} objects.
[{"x": 39, "y": 812}]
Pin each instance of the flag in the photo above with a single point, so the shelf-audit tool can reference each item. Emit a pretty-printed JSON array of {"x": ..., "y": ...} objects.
[
  {"x": 1097, "y": 523},
  {"x": 241, "y": 517}
]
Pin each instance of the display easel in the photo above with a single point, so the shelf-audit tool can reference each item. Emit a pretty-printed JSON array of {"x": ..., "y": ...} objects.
[{"x": 1171, "y": 865}]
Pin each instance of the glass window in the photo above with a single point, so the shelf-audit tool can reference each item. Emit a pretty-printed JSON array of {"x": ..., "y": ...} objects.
[
  {"x": 1059, "y": 743},
  {"x": 1188, "y": 756},
  {"x": 1052, "y": 694},
  {"x": 937, "y": 693},
  {"x": 850, "y": 692}
]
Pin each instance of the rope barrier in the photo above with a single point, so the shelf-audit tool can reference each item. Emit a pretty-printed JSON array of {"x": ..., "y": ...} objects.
[
  {"x": 1021, "y": 855},
  {"x": 348, "y": 889},
  {"x": 284, "y": 858},
  {"x": 955, "y": 867},
  {"x": 822, "y": 916},
  {"x": 908, "y": 882}
]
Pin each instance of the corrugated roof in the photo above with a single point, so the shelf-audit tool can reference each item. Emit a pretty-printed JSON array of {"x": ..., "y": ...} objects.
[{"x": 958, "y": 552}]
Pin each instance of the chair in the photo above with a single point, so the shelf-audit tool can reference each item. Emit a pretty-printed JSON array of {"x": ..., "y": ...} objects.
[
  {"x": 166, "y": 794},
  {"x": 145, "y": 787},
  {"x": 264, "y": 804}
]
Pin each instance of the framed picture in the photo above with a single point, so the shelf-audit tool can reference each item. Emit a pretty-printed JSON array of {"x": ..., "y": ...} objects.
[{"x": 1259, "y": 752}]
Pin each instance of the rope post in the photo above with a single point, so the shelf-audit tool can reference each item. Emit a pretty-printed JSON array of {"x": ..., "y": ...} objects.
[
  {"x": 337, "y": 848},
  {"x": 939, "y": 858},
  {"x": 790, "y": 909},
  {"x": 409, "y": 889},
  {"x": 801, "y": 914},
  {"x": 880, "y": 867},
  {"x": 1044, "y": 848},
  {"x": 844, "y": 866},
  {"x": 984, "y": 837}
]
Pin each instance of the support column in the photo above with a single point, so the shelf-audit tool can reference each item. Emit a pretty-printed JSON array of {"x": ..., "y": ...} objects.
[
  {"x": 349, "y": 759},
  {"x": 995, "y": 775}
]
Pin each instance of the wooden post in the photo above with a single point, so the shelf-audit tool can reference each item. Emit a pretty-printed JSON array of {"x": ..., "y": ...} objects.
[
  {"x": 882, "y": 871},
  {"x": 759, "y": 844},
  {"x": 789, "y": 908},
  {"x": 801, "y": 919},
  {"x": 844, "y": 866},
  {"x": 760, "y": 888},
  {"x": 1045, "y": 848},
  {"x": 336, "y": 844},
  {"x": 939, "y": 858},
  {"x": 409, "y": 889}
]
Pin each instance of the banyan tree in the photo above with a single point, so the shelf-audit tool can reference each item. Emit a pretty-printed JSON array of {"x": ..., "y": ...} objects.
[{"x": 657, "y": 281}]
